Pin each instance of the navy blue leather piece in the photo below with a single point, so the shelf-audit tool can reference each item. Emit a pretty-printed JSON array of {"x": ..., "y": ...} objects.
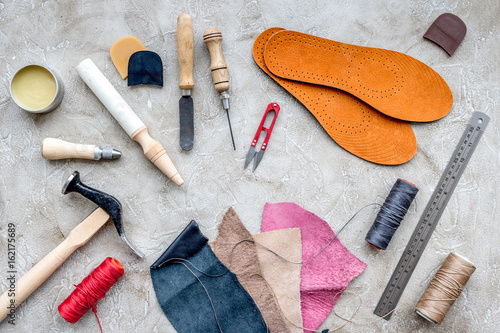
[
  {"x": 188, "y": 243},
  {"x": 145, "y": 67},
  {"x": 187, "y": 306}
]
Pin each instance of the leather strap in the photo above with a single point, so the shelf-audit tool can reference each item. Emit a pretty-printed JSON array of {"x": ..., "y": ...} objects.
[
  {"x": 354, "y": 125},
  {"x": 391, "y": 82}
]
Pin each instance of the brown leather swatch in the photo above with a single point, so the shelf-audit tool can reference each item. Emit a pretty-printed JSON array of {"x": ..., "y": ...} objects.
[
  {"x": 283, "y": 277},
  {"x": 354, "y": 125},
  {"x": 391, "y": 82},
  {"x": 244, "y": 263},
  {"x": 447, "y": 31}
]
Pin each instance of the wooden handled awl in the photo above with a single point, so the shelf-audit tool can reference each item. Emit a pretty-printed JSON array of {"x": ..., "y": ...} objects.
[
  {"x": 37, "y": 275},
  {"x": 127, "y": 118},
  {"x": 56, "y": 149},
  {"x": 213, "y": 39}
]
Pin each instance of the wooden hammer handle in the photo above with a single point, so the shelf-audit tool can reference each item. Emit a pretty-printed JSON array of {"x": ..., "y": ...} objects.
[
  {"x": 55, "y": 149},
  {"x": 37, "y": 275}
]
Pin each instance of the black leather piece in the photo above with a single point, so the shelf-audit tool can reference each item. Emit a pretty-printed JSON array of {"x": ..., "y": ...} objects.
[
  {"x": 186, "y": 122},
  {"x": 188, "y": 243},
  {"x": 145, "y": 67},
  {"x": 189, "y": 297}
]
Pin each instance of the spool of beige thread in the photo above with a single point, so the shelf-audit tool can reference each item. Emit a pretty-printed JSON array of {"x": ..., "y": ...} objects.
[{"x": 444, "y": 288}]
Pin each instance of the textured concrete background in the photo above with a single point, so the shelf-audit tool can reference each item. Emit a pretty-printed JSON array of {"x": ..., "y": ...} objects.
[{"x": 302, "y": 164}]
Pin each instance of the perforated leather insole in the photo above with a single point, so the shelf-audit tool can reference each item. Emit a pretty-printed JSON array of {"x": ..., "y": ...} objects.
[
  {"x": 391, "y": 82},
  {"x": 354, "y": 125}
]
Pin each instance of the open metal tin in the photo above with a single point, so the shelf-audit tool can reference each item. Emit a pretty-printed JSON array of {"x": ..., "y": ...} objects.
[{"x": 36, "y": 89}]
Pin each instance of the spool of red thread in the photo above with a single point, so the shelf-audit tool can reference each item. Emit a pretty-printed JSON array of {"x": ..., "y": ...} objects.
[{"x": 90, "y": 290}]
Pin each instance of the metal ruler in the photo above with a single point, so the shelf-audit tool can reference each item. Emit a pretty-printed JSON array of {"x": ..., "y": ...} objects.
[{"x": 431, "y": 215}]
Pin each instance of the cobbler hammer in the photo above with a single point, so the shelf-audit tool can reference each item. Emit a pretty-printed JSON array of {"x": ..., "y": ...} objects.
[{"x": 109, "y": 208}]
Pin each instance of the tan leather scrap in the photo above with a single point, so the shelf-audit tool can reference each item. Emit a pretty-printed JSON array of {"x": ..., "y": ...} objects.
[
  {"x": 354, "y": 125},
  {"x": 394, "y": 83}
]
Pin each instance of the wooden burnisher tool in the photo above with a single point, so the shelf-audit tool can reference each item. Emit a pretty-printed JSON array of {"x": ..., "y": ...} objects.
[{"x": 127, "y": 118}]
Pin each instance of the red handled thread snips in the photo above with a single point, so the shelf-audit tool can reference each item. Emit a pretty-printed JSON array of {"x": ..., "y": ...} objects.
[{"x": 251, "y": 152}]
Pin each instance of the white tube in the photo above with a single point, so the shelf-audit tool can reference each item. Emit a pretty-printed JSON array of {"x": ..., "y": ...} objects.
[{"x": 108, "y": 96}]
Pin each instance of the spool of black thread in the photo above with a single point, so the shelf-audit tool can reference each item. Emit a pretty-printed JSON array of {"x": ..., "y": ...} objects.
[{"x": 391, "y": 214}]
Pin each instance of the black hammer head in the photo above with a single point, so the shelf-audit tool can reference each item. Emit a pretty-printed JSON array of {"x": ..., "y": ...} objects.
[{"x": 106, "y": 202}]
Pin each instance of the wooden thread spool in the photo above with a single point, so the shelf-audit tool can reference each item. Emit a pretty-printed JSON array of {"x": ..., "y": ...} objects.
[{"x": 444, "y": 288}]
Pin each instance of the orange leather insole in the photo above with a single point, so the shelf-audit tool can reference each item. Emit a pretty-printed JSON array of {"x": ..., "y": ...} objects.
[
  {"x": 354, "y": 125},
  {"x": 391, "y": 82}
]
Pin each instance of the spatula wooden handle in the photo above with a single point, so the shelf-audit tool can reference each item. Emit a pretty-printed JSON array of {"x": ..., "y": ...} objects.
[
  {"x": 37, "y": 275},
  {"x": 185, "y": 51}
]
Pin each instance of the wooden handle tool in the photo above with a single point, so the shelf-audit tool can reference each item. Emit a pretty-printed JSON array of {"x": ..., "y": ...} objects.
[
  {"x": 185, "y": 53},
  {"x": 213, "y": 39},
  {"x": 37, "y": 275},
  {"x": 127, "y": 118},
  {"x": 185, "y": 57},
  {"x": 56, "y": 149}
]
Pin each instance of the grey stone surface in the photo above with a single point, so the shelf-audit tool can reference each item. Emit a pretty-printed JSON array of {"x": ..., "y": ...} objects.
[{"x": 302, "y": 163}]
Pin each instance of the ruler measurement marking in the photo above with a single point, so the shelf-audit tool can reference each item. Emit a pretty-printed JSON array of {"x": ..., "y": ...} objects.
[{"x": 432, "y": 213}]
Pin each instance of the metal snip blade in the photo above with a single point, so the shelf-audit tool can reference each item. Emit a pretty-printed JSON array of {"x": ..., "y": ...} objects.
[
  {"x": 250, "y": 155},
  {"x": 258, "y": 157}
]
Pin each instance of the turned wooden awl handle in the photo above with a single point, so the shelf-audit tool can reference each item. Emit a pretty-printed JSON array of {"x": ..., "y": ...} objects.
[
  {"x": 185, "y": 51},
  {"x": 155, "y": 152},
  {"x": 55, "y": 149},
  {"x": 213, "y": 39}
]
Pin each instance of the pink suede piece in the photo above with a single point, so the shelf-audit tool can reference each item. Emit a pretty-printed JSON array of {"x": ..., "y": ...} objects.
[{"x": 323, "y": 277}]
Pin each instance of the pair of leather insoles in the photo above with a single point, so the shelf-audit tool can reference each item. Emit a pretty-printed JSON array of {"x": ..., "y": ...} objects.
[{"x": 356, "y": 92}]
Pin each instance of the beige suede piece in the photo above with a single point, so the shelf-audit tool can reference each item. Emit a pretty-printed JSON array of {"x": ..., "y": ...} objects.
[
  {"x": 283, "y": 277},
  {"x": 245, "y": 264}
]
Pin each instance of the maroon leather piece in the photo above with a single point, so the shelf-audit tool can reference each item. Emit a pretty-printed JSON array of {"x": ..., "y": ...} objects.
[{"x": 447, "y": 31}]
